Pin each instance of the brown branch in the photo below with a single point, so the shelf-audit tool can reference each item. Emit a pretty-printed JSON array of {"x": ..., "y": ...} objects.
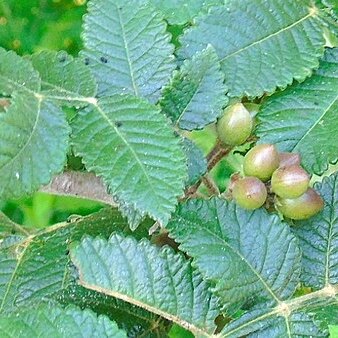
[
  {"x": 80, "y": 184},
  {"x": 217, "y": 153},
  {"x": 211, "y": 185}
]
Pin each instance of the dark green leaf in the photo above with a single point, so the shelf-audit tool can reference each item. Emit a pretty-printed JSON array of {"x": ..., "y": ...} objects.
[
  {"x": 157, "y": 280},
  {"x": 196, "y": 94},
  {"x": 128, "y": 142},
  {"x": 245, "y": 254},
  {"x": 197, "y": 163},
  {"x": 305, "y": 116},
  {"x": 33, "y": 144},
  {"x": 127, "y": 48},
  {"x": 179, "y": 12},
  {"x": 63, "y": 77},
  {"x": 318, "y": 239},
  {"x": 262, "y": 44},
  {"x": 52, "y": 321},
  {"x": 16, "y": 73}
]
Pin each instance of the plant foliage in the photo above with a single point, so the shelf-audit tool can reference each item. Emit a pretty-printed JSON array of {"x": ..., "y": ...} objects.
[{"x": 172, "y": 253}]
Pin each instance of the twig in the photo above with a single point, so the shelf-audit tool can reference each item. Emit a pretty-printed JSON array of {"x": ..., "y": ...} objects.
[
  {"x": 211, "y": 185},
  {"x": 80, "y": 184},
  {"x": 215, "y": 155}
]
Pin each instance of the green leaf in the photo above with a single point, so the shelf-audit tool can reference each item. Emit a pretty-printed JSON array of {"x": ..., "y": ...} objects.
[
  {"x": 196, "y": 94},
  {"x": 16, "y": 73},
  {"x": 197, "y": 163},
  {"x": 261, "y": 323},
  {"x": 326, "y": 316},
  {"x": 52, "y": 321},
  {"x": 305, "y": 116},
  {"x": 179, "y": 12},
  {"x": 36, "y": 267},
  {"x": 63, "y": 77},
  {"x": 128, "y": 142},
  {"x": 318, "y": 239},
  {"x": 134, "y": 320},
  {"x": 157, "y": 280},
  {"x": 262, "y": 44},
  {"x": 127, "y": 48},
  {"x": 244, "y": 254},
  {"x": 33, "y": 144}
]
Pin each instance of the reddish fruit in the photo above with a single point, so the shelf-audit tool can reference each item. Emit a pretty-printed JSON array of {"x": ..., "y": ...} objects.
[
  {"x": 302, "y": 207},
  {"x": 290, "y": 182},
  {"x": 249, "y": 193},
  {"x": 235, "y": 126},
  {"x": 289, "y": 159},
  {"x": 261, "y": 161}
]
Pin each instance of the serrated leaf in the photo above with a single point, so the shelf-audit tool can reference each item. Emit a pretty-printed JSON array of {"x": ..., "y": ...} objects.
[
  {"x": 244, "y": 254},
  {"x": 179, "y": 12},
  {"x": 318, "y": 239},
  {"x": 64, "y": 78},
  {"x": 35, "y": 267},
  {"x": 304, "y": 116},
  {"x": 127, "y": 48},
  {"x": 134, "y": 320},
  {"x": 196, "y": 94},
  {"x": 197, "y": 163},
  {"x": 52, "y": 321},
  {"x": 16, "y": 73},
  {"x": 33, "y": 144},
  {"x": 128, "y": 142},
  {"x": 156, "y": 280},
  {"x": 260, "y": 323},
  {"x": 261, "y": 44}
]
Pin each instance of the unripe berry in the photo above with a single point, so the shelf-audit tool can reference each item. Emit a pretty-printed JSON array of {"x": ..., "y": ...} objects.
[
  {"x": 235, "y": 126},
  {"x": 288, "y": 159},
  {"x": 302, "y": 207},
  {"x": 290, "y": 182},
  {"x": 249, "y": 193},
  {"x": 261, "y": 161}
]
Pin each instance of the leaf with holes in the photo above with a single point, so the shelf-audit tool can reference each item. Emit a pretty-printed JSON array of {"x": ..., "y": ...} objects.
[
  {"x": 244, "y": 254},
  {"x": 33, "y": 144},
  {"x": 196, "y": 94},
  {"x": 127, "y": 48},
  {"x": 159, "y": 281},
  {"x": 128, "y": 142},
  {"x": 261, "y": 44},
  {"x": 64, "y": 78},
  {"x": 52, "y": 321},
  {"x": 318, "y": 239},
  {"x": 305, "y": 116}
]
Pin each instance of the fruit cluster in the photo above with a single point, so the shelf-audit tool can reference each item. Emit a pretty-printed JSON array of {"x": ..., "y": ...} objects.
[{"x": 268, "y": 173}]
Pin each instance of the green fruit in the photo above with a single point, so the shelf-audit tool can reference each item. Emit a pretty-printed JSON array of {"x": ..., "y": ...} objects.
[
  {"x": 249, "y": 193},
  {"x": 290, "y": 182},
  {"x": 288, "y": 159},
  {"x": 302, "y": 207},
  {"x": 261, "y": 161},
  {"x": 235, "y": 126}
]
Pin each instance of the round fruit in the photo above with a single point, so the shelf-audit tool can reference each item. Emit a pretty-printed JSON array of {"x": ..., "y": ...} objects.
[
  {"x": 288, "y": 159},
  {"x": 235, "y": 126},
  {"x": 302, "y": 207},
  {"x": 290, "y": 182},
  {"x": 249, "y": 193},
  {"x": 261, "y": 161}
]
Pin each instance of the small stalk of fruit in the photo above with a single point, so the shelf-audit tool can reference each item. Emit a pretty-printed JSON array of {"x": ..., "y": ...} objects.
[{"x": 269, "y": 175}]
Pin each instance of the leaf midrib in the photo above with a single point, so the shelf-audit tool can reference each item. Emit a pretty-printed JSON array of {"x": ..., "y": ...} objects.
[{"x": 311, "y": 13}]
